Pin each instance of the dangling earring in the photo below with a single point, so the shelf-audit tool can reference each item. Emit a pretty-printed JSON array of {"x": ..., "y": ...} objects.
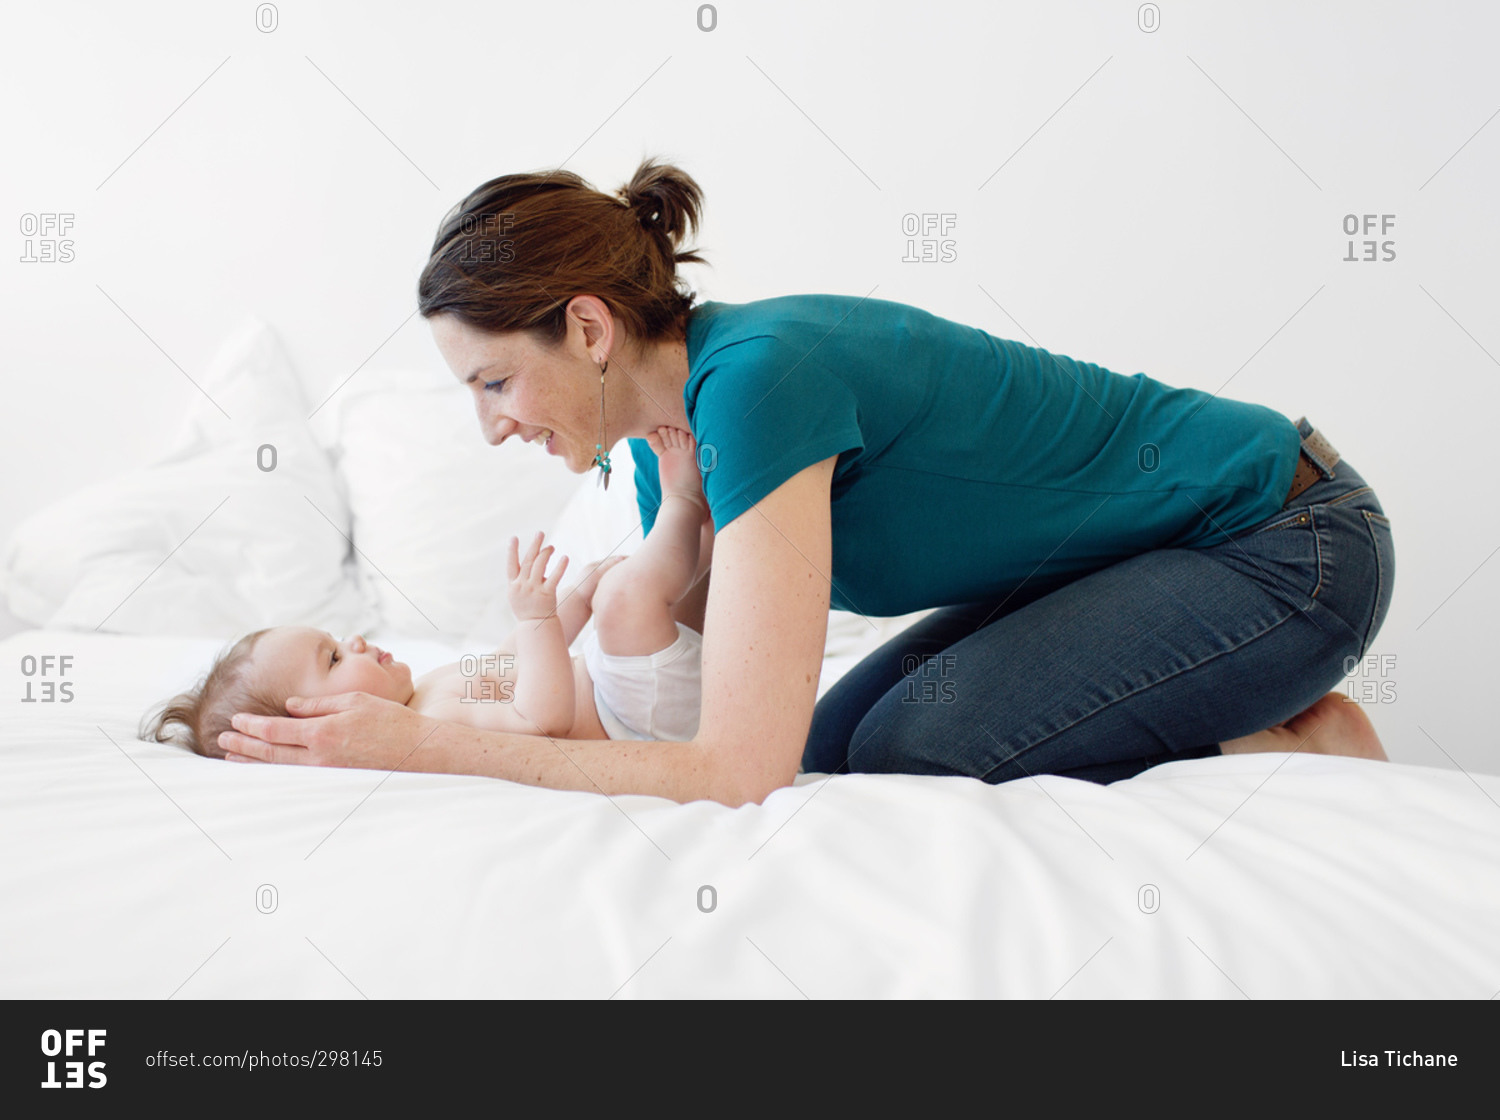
[{"x": 601, "y": 456}]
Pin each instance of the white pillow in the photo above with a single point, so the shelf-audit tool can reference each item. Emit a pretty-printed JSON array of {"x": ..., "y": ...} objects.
[
  {"x": 433, "y": 504},
  {"x": 204, "y": 542}
]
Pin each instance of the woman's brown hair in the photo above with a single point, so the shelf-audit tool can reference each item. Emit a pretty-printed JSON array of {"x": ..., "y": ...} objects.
[
  {"x": 512, "y": 254},
  {"x": 195, "y": 718}
]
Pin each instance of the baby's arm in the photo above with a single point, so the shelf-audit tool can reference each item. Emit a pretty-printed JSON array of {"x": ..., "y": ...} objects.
[{"x": 543, "y": 693}]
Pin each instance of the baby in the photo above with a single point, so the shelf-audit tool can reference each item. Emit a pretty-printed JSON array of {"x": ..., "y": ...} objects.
[{"x": 638, "y": 676}]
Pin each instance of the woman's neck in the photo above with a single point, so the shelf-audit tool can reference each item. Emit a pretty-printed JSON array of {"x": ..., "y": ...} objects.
[{"x": 657, "y": 377}]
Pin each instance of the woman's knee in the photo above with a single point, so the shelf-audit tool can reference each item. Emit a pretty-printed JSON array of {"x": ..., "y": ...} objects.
[
  {"x": 915, "y": 731},
  {"x": 827, "y": 747}
]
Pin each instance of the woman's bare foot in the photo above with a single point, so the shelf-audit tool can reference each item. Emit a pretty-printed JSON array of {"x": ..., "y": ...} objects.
[{"x": 1334, "y": 725}]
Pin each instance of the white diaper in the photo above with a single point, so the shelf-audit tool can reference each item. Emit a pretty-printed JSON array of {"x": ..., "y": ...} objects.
[{"x": 652, "y": 696}]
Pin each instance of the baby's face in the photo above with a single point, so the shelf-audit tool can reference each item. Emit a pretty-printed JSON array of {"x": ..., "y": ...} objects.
[{"x": 301, "y": 661}]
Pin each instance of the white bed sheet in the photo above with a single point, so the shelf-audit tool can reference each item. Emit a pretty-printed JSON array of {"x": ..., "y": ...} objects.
[{"x": 133, "y": 870}]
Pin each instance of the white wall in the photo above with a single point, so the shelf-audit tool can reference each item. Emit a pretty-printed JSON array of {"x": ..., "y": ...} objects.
[{"x": 1169, "y": 202}]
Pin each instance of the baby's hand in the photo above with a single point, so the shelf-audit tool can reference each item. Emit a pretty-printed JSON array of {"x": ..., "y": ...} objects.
[
  {"x": 533, "y": 594},
  {"x": 677, "y": 464}
]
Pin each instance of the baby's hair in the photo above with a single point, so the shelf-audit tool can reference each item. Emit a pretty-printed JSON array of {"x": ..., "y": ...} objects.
[{"x": 194, "y": 719}]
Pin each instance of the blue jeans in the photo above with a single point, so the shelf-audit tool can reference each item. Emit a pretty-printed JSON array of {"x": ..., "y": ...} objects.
[{"x": 1157, "y": 658}]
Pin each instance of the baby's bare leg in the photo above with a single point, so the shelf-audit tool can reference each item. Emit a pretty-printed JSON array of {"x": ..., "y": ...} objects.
[{"x": 633, "y": 602}]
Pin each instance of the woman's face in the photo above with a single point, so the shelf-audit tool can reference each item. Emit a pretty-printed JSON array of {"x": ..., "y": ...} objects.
[{"x": 524, "y": 389}]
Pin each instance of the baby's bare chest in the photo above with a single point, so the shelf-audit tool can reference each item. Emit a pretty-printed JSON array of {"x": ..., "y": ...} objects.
[
  {"x": 491, "y": 679},
  {"x": 475, "y": 678}
]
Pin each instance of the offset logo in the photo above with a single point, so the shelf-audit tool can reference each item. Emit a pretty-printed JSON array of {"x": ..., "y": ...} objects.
[
  {"x": 44, "y": 667},
  {"x": 930, "y": 232},
  {"x": 46, "y": 238},
  {"x": 1387, "y": 222},
  {"x": 66, "y": 1044}
]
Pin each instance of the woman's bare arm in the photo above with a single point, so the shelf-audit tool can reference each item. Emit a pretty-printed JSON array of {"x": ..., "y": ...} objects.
[{"x": 766, "y": 625}]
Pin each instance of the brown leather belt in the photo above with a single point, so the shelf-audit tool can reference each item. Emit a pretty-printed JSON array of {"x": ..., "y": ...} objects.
[{"x": 1315, "y": 450}]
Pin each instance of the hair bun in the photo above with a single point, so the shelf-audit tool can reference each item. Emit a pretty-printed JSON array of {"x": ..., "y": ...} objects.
[
  {"x": 665, "y": 200},
  {"x": 647, "y": 210}
]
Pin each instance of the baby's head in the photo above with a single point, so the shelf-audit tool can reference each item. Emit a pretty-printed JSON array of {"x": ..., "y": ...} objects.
[{"x": 259, "y": 672}]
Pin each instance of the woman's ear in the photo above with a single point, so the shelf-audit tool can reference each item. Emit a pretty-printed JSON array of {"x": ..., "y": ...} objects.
[{"x": 596, "y": 324}]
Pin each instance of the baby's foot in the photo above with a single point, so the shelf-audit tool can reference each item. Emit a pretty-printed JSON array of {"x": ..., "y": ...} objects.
[{"x": 677, "y": 464}]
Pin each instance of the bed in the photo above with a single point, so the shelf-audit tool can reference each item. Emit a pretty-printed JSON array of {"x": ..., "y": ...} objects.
[{"x": 139, "y": 870}]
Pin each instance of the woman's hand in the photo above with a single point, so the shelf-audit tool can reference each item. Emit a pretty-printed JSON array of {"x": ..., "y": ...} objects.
[{"x": 350, "y": 729}]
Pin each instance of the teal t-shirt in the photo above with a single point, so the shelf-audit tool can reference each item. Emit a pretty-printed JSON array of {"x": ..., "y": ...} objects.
[{"x": 967, "y": 464}]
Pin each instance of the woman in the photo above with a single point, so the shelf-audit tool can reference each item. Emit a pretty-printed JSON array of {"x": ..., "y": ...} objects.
[{"x": 1128, "y": 573}]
